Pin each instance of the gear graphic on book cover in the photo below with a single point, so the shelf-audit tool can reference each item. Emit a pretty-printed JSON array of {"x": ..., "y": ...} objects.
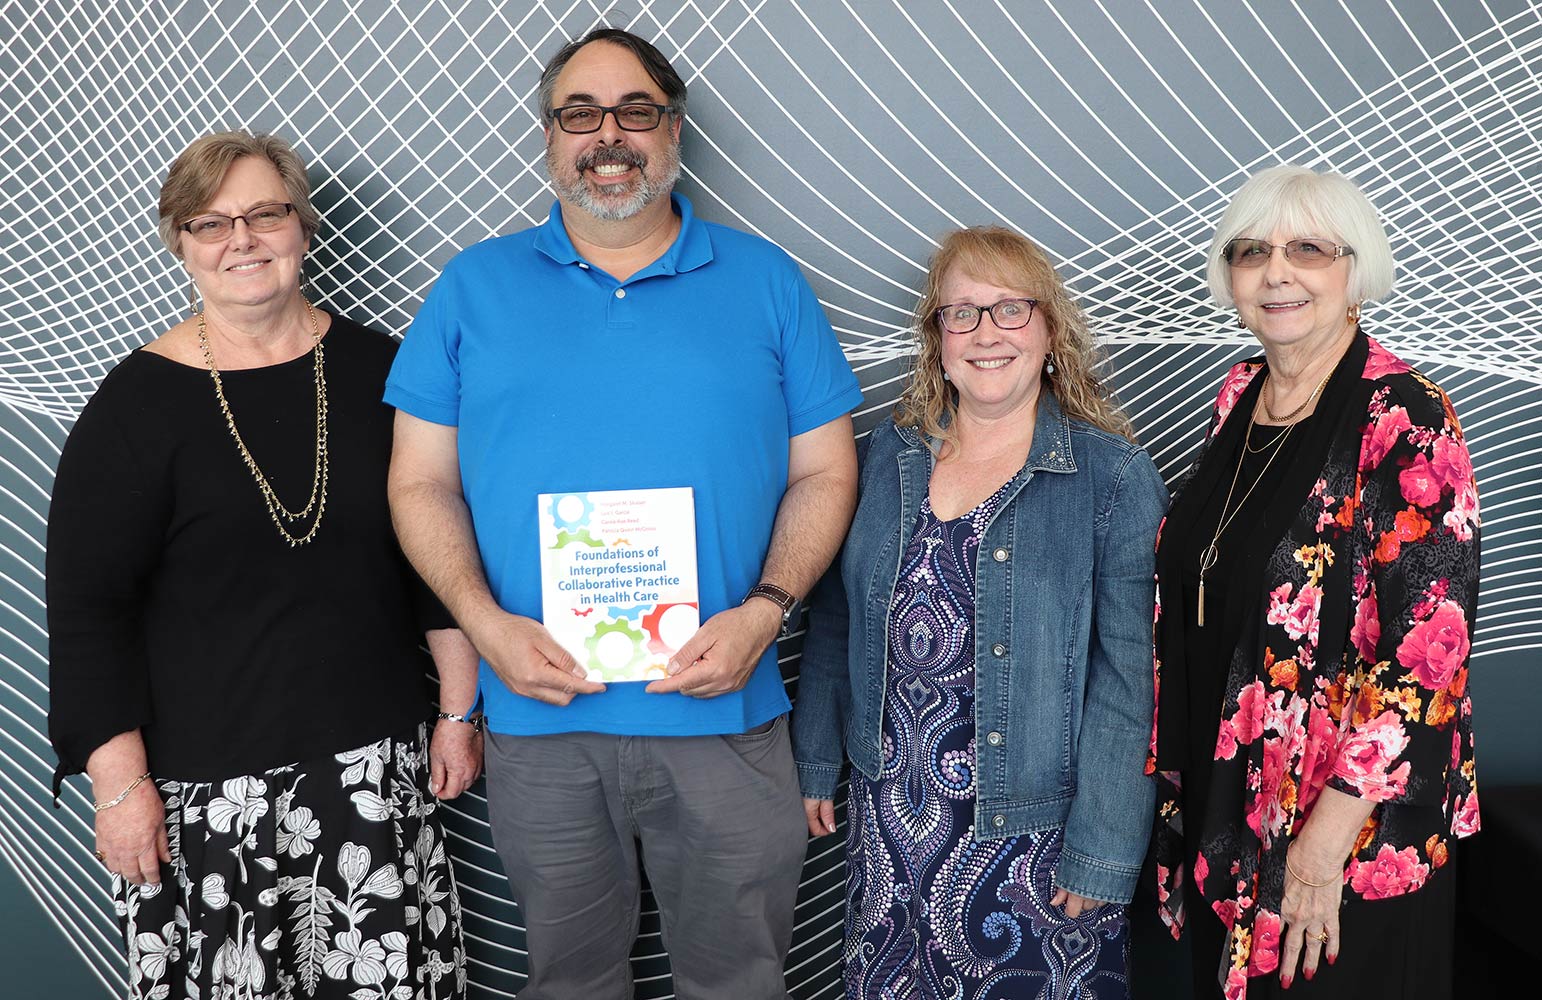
[{"x": 614, "y": 670}]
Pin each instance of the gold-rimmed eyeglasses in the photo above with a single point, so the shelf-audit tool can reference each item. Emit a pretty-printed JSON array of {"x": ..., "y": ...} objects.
[{"x": 1307, "y": 252}]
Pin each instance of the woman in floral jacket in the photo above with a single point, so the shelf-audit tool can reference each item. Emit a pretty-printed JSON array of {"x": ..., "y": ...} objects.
[{"x": 1318, "y": 576}]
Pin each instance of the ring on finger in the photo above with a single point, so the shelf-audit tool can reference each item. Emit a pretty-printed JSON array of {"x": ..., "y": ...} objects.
[{"x": 1322, "y": 935}]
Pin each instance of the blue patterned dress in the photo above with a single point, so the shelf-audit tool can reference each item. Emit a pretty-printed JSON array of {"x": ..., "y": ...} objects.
[{"x": 931, "y": 911}]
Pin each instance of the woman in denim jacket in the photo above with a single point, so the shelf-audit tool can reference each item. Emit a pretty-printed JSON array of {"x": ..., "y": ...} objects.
[{"x": 982, "y": 656}]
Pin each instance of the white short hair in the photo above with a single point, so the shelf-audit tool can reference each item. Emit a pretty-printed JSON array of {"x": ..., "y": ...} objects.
[{"x": 1302, "y": 202}]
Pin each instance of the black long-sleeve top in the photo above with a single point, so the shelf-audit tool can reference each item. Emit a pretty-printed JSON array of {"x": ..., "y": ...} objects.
[{"x": 174, "y": 605}]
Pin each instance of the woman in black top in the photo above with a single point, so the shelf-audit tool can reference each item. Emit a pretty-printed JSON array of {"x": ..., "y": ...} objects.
[{"x": 234, "y": 633}]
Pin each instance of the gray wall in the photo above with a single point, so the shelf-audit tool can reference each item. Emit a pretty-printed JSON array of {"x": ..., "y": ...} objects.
[{"x": 852, "y": 133}]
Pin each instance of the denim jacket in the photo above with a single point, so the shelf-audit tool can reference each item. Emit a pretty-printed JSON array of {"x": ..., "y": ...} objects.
[{"x": 1062, "y": 643}]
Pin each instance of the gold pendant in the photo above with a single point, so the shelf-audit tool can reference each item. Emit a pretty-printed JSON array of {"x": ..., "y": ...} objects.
[{"x": 1207, "y": 560}]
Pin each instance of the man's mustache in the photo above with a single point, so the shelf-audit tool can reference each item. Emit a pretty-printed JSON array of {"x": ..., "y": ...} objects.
[{"x": 611, "y": 155}]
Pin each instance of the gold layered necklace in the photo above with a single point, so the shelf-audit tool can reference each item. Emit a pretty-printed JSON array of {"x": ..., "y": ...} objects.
[
  {"x": 282, "y": 516},
  {"x": 1210, "y": 554}
]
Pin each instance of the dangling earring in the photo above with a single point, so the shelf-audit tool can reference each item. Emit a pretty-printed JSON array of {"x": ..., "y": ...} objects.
[
  {"x": 192, "y": 297},
  {"x": 1241, "y": 325},
  {"x": 1354, "y": 313},
  {"x": 307, "y": 290},
  {"x": 946, "y": 377},
  {"x": 1049, "y": 363}
]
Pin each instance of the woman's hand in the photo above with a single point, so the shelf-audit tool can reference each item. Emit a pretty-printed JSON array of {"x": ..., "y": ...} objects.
[
  {"x": 454, "y": 758},
  {"x": 1309, "y": 914},
  {"x": 1074, "y": 905},
  {"x": 131, "y": 836},
  {"x": 820, "y": 814}
]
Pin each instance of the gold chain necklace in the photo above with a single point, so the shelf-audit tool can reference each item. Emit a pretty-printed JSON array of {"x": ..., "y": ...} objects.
[
  {"x": 1207, "y": 558},
  {"x": 1293, "y": 414},
  {"x": 318, "y": 498},
  {"x": 1247, "y": 442}
]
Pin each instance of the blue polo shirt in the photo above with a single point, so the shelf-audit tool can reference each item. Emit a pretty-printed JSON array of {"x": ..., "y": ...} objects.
[{"x": 693, "y": 372}]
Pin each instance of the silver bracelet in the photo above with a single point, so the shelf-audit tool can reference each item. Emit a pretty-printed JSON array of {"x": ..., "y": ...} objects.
[
  {"x": 99, "y": 806},
  {"x": 474, "y": 721}
]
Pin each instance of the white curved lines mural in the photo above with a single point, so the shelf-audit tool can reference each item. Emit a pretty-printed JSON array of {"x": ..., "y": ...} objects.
[
  {"x": 45, "y": 846},
  {"x": 852, "y": 132}
]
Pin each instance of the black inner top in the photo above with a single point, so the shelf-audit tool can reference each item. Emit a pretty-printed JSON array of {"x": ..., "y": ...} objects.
[
  {"x": 1228, "y": 594},
  {"x": 1196, "y": 661},
  {"x": 175, "y": 605}
]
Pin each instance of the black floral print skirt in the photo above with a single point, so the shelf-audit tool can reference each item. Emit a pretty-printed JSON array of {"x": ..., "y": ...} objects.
[{"x": 326, "y": 878}]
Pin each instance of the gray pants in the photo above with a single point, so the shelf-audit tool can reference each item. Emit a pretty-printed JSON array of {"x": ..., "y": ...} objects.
[{"x": 720, "y": 823}]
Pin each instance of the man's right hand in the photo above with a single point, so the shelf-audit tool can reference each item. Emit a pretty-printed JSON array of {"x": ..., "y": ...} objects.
[{"x": 530, "y": 662}]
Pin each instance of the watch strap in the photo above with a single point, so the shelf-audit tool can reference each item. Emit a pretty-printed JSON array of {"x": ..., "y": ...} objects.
[{"x": 784, "y": 600}]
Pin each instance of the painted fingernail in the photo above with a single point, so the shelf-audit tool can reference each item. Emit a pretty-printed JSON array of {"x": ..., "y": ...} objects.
[
  {"x": 1308, "y": 974},
  {"x": 1332, "y": 957},
  {"x": 1285, "y": 982}
]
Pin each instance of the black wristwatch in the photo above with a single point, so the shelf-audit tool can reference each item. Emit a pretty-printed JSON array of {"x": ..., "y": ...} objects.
[{"x": 781, "y": 598}]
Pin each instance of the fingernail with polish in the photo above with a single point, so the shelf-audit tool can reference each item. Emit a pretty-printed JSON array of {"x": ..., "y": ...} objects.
[
  {"x": 1285, "y": 983},
  {"x": 1308, "y": 974},
  {"x": 1333, "y": 958}
]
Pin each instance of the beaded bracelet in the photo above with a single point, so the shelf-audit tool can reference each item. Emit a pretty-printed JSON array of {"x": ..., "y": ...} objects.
[
  {"x": 99, "y": 806},
  {"x": 474, "y": 721}
]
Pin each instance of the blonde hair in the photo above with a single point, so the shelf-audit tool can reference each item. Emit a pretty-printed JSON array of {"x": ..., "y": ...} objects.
[
  {"x": 1005, "y": 258},
  {"x": 200, "y": 169},
  {"x": 1302, "y": 202}
]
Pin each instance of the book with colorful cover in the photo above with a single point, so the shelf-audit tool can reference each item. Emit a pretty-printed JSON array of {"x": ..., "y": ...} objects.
[{"x": 618, "y": 578}]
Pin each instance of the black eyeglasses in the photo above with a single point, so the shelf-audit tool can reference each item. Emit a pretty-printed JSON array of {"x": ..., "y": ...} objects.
[
  {"x": 215, "y": 228},
  {"x": 580, "y": 119},
  {"x": 1007, "y": 314},
  {"x": 1308, "y": 252}
]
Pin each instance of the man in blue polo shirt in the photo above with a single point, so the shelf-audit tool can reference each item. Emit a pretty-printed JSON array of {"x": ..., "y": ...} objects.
[{"x": 626, "y": 344}]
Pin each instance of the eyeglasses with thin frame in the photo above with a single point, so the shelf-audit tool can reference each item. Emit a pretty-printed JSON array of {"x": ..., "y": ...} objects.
[
  {"x": 1007, "y": 314},
  {"x": 215, "y": 228},
  {"x": 1307, "y": 252},
  {"x": 581, "y": 119}
]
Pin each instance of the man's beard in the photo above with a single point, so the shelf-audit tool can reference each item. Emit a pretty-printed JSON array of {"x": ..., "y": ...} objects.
[{"x": 614, "y": 208}]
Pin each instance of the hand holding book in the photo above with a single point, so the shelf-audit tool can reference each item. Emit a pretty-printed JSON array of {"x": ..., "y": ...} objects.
[{"x": 723, "y": 653}]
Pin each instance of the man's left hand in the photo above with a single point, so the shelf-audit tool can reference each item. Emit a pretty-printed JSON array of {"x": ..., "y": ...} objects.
[
  {"x": 723, "y": 653},
  {"x": 454, "y": 758}
]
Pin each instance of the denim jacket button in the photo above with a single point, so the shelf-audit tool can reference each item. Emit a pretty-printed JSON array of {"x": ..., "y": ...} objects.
[
  {"x": 1000, "y": 555},
  {"x": 998, "y": 821},
  {"x": 994, "y": 739},
  {"x": 999, "y": 649}
]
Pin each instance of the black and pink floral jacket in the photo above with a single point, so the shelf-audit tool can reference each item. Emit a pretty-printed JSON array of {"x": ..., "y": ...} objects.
[{"x": 1387, "y": 547}]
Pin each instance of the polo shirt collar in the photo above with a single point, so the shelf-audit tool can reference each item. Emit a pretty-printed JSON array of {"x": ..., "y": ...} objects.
[{"x": 691, "y": 249}]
